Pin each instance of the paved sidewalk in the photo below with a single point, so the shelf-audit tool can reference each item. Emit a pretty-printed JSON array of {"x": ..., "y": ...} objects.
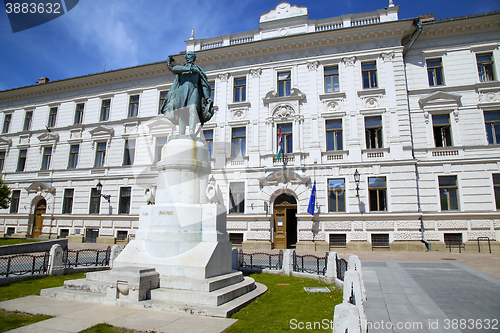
[
  {"x": 430, "y": 297},
  {"x": 74, "y": 316}
]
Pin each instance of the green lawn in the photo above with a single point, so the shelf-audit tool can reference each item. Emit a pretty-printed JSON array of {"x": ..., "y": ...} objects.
[
  {"x": 11, "y": 320},
  {"x": 11, "y": 241},
  {"x": 106, "y": 328},
  {"x": 284, "y": 308}
]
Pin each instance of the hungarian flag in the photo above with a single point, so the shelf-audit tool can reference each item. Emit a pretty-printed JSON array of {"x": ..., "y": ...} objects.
[{"x": 280, "y": 147}]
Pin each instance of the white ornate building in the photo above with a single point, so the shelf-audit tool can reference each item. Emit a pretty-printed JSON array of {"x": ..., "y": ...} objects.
[{"x": 413, "y": 105}]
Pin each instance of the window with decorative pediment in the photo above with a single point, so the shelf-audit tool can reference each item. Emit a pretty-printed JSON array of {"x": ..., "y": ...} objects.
[
  {"x": 284, "y": 83},
  {"x": 46, "y": 158},
  {"x": 332, "y": 79},
  {"x": 286, "y": 131},
  {"x": 442, "y": 130},
  {"x": 334, "y": 134},
  {"x": 238, "y": 140},
  {"x": 369, "y": 73},
  {"x": 100, "y": 154},
  {"x": 373, "y": 132},
  {"x": 240, "y": 89}
]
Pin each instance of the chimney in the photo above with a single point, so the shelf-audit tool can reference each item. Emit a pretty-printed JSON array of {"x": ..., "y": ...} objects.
[
  {"x": 426, "y": 18},
  {"x": 43, "y": 80}
]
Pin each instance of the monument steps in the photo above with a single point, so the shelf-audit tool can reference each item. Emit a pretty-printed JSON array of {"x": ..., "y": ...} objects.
[
  {"x": 207, "y": 285},
  {"x": 84, "y": 285},
  {"x": 79, "y": 295}
]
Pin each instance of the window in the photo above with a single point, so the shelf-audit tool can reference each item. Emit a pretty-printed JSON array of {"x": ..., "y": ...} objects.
[
  {"x": 492, "y": 123},
  {"x": 369, "y": 73},
  {"x": 209, "y": 139},
  {"x": 377, "y": 189},
  {"x": 52, "y": 117},
  {"x": 73, "y": 156},
  {"x": 160, "y": 142},
  {"x": 380, "y": 240},
  {"x": 236, "y": 238},
  {"x": 435, "y": 72},
  {"x": 334, "y": 134},
  {"x": 106, "y": 104},
  {"x": 373, "y": 128},
  {"x": 240, "y": 90},
  {"x": 237, "y": 198},
  {"x": 284, "y": 83},
  {"x": 338, "y": 240},
  {"x": 124, "y": 205},
  {"x": 496, "y": 187},
  {"x": 2, "y": 159},
  {"x": 121, "y": 235},
  {"x": 21, "y": 162},
  {"x": 442, "y": 130},
  {"x": 47, "y": 156},
  {"x": 6, "y": 123},
  {"x": 68, "y": 201},
  {"x": 11, "y": 231},
  {"x": 100, "y": 154},
  {"x": 95, "y": 201},
  {"x": 14, "y": 202},
  {"x": 28, "y": 117},
  {"x": 448, "y": 192},
  {"x": 336, "y": 198},
  {"x": 485, "y": 67},
  {"x": 129, "y": 153},
  {"x": 239, "y": 141},
  {"x": 79, "y": 113},
  {"x": 332, "y": 79},
  {"x": 63, "y": 233},
  {"x": 133, "y": 108},
  {"x": 212, "y": 88},
  {"x": 286, "y": 137},
  {"x": 453, "y": 239},
  {"x": 163, "y": 97}
]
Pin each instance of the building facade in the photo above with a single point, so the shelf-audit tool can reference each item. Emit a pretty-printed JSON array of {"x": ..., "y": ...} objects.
[{"x": 393, "y": 122}]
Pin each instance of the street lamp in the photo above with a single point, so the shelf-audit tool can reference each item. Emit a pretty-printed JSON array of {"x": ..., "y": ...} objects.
[
  {"x": 105, "y": 196},
  {"x": 356, "y": 180}
]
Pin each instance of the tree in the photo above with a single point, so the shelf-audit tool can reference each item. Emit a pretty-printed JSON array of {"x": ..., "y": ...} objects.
[{"x": 4, "y": 195}]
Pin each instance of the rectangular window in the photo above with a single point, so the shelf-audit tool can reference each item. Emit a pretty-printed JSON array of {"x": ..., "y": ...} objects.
[
  {"x": 74, "y": 150},
  {"x": 6, "y": 123},
  {"x": 47, "y": 156},
  {"x": 209, "y": 139},
  {"x": 79, "y": 113},
  {"x": 442, "y": 130},
  {"x": 63, "y": 233},
  {"x": 105, "y": 107},
  {"x": 496, "y": 186},
  {"x": 334, "y": 135},
  {"x": 133, "y": 108},
  {"x": 378, "y": 194},
  {"x": 336, "y": 197},
  {"x": 52, "y": 117},
  {"x": 121, "y": 235},
  {"x": 286, "y": 137},
  {"x": 373, "y": 128},
  {"x": 11, "y": 231},
  {"x": 485, "y": 67},
  {"x": 100, "y": 154},
  {"x": 338, "y": 240},
  {"x": 240, "y": 90},
  {"x": 14, "y": 202},
  {"x": 448, "y": 192},
  {"x": 239, "y": 141},
  {"x": 68, "y": 201},
  {"x": 212, "y": 90},
  {"x": 163, "y": 97},
  {"x": 236, "y": 238},
  {"x": 380, "y": 240},
  {"x": 237, "y": 198},
  {"x": 332, "y": 79},
  {"x": 95, "y": 201},
  {"x": 492, "y": 123},
  {"x": 28, "y": 118},
  {"x": 453, "y": 239},
  {"x": 2, "y": 159},
  {"x": 435, "y": 72},
  {"x": 124, "y": 205},
  {"x": 284, "y": 83},
  {"x": 21, "y": 162},
  {"x": 129, "y": 153},
  {"x": 369, "y": 73},
  {"x": 160, "y": 142}
]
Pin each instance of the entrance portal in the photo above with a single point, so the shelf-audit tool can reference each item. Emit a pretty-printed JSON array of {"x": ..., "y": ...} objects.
[
  {"x": 40, "y": 209},
  {"x": 285, "y": 222}
]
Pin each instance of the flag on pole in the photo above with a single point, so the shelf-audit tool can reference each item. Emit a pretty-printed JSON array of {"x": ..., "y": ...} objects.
[
  {"x": 280, "y": 147},
  {"x": 312, "y": 200}
]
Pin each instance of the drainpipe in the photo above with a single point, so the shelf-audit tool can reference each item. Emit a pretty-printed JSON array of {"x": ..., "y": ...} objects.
[{"x": 416, "y": 34}]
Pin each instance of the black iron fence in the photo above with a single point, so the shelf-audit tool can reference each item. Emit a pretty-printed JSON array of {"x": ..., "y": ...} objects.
[
  {"x": 35, "y": 264},
  {"x": 341, "y": 267},
  {"x": 260, "y": 260},
  {"x": 310, "y": 264}
]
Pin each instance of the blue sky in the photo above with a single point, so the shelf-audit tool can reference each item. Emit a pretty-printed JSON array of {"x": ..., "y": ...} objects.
[{"x": 113, "y": 34}]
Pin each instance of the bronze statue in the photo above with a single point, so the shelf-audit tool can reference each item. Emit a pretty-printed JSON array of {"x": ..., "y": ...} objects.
[{"x": 188, "y": 101}]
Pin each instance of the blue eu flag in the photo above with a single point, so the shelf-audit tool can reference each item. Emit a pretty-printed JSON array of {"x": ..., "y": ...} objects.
[{"x": 312, "y": 200}]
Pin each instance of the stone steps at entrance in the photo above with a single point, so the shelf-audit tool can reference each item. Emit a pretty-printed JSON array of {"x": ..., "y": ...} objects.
[{"x": 207, "y": 285}]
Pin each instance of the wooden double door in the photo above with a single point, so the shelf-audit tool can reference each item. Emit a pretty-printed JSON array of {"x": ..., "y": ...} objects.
[
  {"x": 285, "y": 222},
  {"x": 40, "y": 209}
]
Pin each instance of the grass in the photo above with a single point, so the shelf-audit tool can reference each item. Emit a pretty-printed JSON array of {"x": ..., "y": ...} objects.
[
  {"x": 12, "y": 320},
  {"x": 106, "y": 328},
  {"x": 280, "y": 305},
  {"x": 11, "y": 241}
]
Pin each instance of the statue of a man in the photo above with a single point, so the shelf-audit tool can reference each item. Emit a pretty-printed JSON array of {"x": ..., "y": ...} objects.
[{"x": 188, "y": 101}]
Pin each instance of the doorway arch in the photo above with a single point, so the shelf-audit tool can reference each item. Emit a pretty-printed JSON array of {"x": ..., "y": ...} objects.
[
  {"x": 285, "y": 221},
  {"x": 40, "y": 209}
]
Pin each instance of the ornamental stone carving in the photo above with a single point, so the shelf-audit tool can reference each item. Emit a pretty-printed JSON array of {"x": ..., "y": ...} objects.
[
  {"x": 312, "y": 66},
  {"x": 332, "y": 106},
  {"x": 224, "y": 77},
  {"x": 387, "y": 56},
  {"x": 283, "y": 111},
  {"x": 489, "y": 96},
  {"x": 238, "y": 114},
  {"x": 256, "y": 72},
  {"x": 349, "y": 61},
  {"x": 371, "y": 103}
]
